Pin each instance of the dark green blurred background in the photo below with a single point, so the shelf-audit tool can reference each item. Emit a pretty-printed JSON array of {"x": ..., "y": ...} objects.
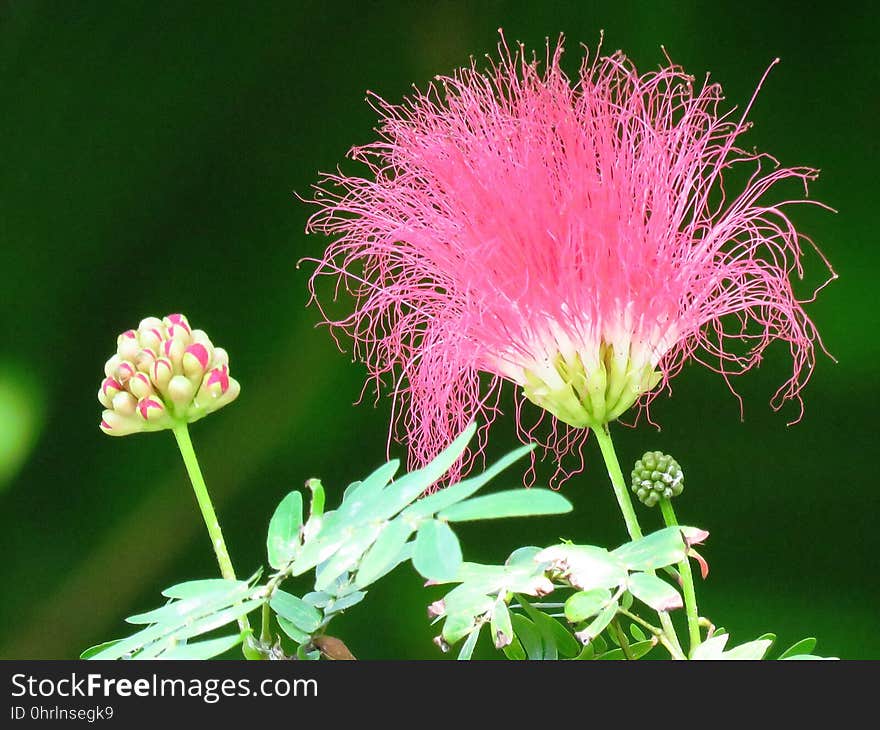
[{"x": 150, "y": 155}]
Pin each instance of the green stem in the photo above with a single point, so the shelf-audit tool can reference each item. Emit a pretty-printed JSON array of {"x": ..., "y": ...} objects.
[
  {"x": 621, "y": 637},
  {"x": 181, "y": 433},
  {"x": 672, "y": 647},
  {"x": 266, "y": 630},
  {"x": 687, "y": 582},
  {"x": 184, "y": 443},
  {"x": 603, "y": 436}
]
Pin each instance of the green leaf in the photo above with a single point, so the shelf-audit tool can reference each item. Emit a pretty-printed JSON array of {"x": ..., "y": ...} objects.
[
  {"x": 316, "y": 506},
  {"x": 585, "y": 566},
  {"x": 514, "y": 650},
  {"x": 501, "y": 626},
  {"x": 177, "y": 612},
  {"x": 457, "y": 626},
  {"x": 358, "y": 499},
  {"x": 382, "y": 556},
  {"x": 437, "y": 554},
  {"x": 216, "y": 620},
  {"x": 659, "y": 549},
  {"x": 345, "y": 602},
  {"x": 202, "y": 588},
  {"x": 555, "y": 632},
  {"x": 203, "y": 649},
  {"x": 512, "y": 503},
  {"x": 413, "y": 485},
  {"x": 711, "y": 648},
  {"x": 468, "y": 598},
  {"x": 585, "y": 604},
  {"x": 637, "y": 633},
  {"x": 555, "y": 636},
  {"x": 656, "y": 593},
  {"x": 430, "y": 505},
  {"x": 98, "y": 648},
  {"x": 636, "y": 651},
  {"x": 154, "y": 639},
  {"x": 529, "y": 636},
  {"x": 305, "y": 617},
  {"x": 467, "y": 649},
  {"x": 804, "y": 646},
  {"x": 527, "y": 555},
  {"x": 598, "y": 624},
  {"x": 282, "y": 542},
  {"x": 751, "y": 650},
  {"x": 346, "y": 557},
  {"x": 295, "y": 633}
]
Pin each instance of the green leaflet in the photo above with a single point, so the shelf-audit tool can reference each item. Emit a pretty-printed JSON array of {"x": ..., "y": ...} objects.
[
  {"x": 437, "y": 553},
  {"x": 305, "y": 617},
  {"x": 512, "y": 503},
  {"x": 283, "y": 539}
]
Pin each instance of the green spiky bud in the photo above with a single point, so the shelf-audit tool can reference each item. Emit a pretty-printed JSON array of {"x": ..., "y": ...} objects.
[{"x": 656, "y": 476}]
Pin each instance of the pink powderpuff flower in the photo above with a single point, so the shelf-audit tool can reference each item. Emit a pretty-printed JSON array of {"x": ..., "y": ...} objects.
[{"x": 573, "y": 237}]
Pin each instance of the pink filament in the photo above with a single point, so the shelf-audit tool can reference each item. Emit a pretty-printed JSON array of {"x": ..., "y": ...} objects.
[{"x": 500, "y": 200}]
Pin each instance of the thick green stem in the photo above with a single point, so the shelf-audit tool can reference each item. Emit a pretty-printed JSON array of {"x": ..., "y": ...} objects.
[
  {"x": 266, "y": 631},
  {"x": 687, "y": 582},
  {"x": 184, "y": 443},
  {"x": 181, "y": 433},
  {"x": 603, "y": 436}
]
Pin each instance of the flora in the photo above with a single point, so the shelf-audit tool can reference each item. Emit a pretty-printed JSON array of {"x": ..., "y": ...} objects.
[
  {"x": 572, "y": 236},
  {"x": 579, "y": 238}
]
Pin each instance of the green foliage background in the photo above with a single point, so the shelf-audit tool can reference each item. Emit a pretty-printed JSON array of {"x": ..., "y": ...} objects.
[{"x": 150, "y": 154}]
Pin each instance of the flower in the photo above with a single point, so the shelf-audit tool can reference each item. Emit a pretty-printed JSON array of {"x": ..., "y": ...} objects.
[
  {"x": 163, "y": 373},
  {"x": 576, "y": 239}
]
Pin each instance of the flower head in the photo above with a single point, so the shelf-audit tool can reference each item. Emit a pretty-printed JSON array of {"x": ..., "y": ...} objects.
[
  {"x": 163, "y": 373},
  {"x": 574, "y": 237}
]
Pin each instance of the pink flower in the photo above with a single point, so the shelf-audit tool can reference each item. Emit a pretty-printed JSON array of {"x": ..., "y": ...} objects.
[{"x": 573, "y": 237}]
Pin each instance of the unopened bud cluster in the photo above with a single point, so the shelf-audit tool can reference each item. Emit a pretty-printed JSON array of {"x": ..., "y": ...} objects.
[
  {"x": 657, "y": 476},
  {"x": 163, "y": 373}
]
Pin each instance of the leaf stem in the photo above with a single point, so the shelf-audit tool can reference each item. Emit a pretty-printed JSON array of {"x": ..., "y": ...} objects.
[
  {"x": 266, "y": 630},
  {"x": 687, "y": 582},
  {"x": 672, "y": 647},
  {"x": 603, "y": 437},
  {"x": 621, "y": 637},
  {"x": 184, "y": 443}
]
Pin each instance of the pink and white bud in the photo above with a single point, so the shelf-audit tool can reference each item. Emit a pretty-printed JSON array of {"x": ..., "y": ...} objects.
[
  {"x": 150, "y": 409},
  {"x": 115, "y": 424},
  {"x": 124, "y": 403},
  {"x": 124, "y": 371},
  {"x": 163, "y": 374},
  {"x": 145, "y": 359},
  {"x": 217, "y": 381},
  {"x": 111, "y": 365},
  {"x": 195, "y": 360},
  {"x": 152, "y": 338},
  {"x": 173, "y": 349},
  {"x": 177, "y": 326},
  {"x": 140, "y": 386},
  {"x": 127, "y": 345},
  {"x": 180, "y": 391},
  {"x": 220, "y": 358},
  {"x": 109, "y": 388},
  {"x": 150, "y": 323}
]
